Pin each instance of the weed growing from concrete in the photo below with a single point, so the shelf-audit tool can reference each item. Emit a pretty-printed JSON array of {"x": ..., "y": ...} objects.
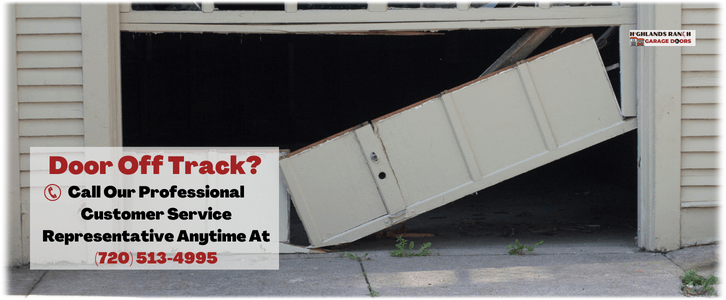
[
  {"x": 694, "y": 284},
  {"x": 518, "y": 249},
  {"x": 360, "y": 260},
  {"x": 402, "y": 252},
  {"x": 354, "y": 256}
]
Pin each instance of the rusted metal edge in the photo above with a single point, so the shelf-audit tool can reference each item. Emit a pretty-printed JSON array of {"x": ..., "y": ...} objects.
[
  {"x": 405, "y": 108},
  {"x": 323, "y": 141},
  {"x": 589, "y": 36}
]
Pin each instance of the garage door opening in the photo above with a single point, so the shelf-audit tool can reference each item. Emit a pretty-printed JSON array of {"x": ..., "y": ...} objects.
[{"x": 186, "y": 89}]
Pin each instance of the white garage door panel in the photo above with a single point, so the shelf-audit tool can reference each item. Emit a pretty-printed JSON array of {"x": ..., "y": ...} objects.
[
  {"x": 487, "y": 110},
  {"x": 446, "y": 147},
  {"x": 423, "y": 151},
  {"x": 333, "y": 188},
  {"x": 575, "y": 92}
]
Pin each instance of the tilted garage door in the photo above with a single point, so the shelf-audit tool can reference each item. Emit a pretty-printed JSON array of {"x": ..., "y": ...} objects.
[{"x": 421, "y": 157}]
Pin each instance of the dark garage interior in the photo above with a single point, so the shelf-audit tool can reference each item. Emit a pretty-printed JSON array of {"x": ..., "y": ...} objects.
[{"x": 291, "y": 90}]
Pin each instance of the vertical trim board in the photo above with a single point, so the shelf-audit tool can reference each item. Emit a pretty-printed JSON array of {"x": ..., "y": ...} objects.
[
  {"x": 659, "y": 119},
  {"x": 98, "y": 75}
]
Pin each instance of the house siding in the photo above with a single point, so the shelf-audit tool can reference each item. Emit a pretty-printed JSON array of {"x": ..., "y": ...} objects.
[
  {"x": 699, "y": 125},
  {"x": 50, "y": 87}
]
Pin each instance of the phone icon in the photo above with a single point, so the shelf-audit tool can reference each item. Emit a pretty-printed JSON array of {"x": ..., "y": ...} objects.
[{"x": 50, "y": 193}]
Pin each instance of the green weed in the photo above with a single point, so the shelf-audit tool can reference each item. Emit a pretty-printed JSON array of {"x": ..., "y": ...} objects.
[
  {"x": 694, "y": 284},
  {"x": 354, "y": 256},
  {"x": 401, "y": 250},
  {"x": 518, "y": 249}
]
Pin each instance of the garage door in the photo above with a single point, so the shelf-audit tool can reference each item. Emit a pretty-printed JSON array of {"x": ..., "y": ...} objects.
[{"x": 426, "y": 155}]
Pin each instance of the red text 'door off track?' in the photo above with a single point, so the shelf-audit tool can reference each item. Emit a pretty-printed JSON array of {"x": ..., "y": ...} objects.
[{"x": 129, "y": 165}]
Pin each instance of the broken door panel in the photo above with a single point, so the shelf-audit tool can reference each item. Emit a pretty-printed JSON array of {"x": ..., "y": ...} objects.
[{"x": 446, "y": 147}]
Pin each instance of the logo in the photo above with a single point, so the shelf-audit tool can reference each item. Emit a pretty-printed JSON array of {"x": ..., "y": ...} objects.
[{"x": 662, "y": 38}]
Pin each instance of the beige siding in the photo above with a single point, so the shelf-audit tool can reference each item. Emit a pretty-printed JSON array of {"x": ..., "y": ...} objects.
[
  {"x": 50, "y": 110},
  {"x": 50, "y": 91},
  {"x": 698, "y": 225},
  {"x": 49, "y": 42},
  {"x": 48, "y": 26},
  {"x": 703, "y": 46},
  {"x": 47, "y": 76},
  {"x": 699, "y": 125},
  {"x": 31, "y": 60},
  {"x": 39, "y": 11}
]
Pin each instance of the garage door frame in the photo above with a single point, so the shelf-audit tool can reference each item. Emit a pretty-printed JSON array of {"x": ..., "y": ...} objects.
[{"x": 657, "y": 92}]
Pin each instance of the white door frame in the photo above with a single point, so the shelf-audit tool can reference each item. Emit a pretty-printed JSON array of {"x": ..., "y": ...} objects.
[
  {"x": 659, "y": 134},
  {"x": 101, "y": 55}
]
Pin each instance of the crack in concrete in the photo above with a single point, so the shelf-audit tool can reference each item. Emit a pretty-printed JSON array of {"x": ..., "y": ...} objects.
[
  {"x": 370, "y": 289},
  {"x": 36, "y": 283}
]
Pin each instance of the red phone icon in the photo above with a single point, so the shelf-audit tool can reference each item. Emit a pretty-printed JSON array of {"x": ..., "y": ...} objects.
[{"x": 50, "y": 195}]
